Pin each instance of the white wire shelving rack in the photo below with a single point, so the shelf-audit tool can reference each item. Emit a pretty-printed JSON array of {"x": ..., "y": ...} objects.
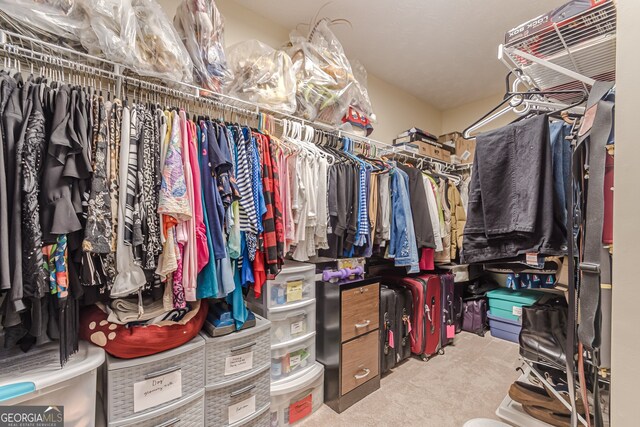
[{"x": 571, "y": 54}]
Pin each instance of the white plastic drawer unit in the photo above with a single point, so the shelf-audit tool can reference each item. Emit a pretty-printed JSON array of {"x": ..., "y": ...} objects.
[
  {"x": 293, "y": 357},
  {"x": 295, "y": 283},
  {"x": 296, "y": 399},
  {"x": 187, "y": 412},
  {"x": 36, "y": 379},
  {"x": 292, "y": 321},
  {"x": 238, "y": 402},
  {"x": 235, "y": 355},
  {"x": 135, "y": 387}
]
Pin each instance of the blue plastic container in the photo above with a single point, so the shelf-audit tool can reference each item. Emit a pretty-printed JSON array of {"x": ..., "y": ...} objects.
[{"x": 504, "y": 328}]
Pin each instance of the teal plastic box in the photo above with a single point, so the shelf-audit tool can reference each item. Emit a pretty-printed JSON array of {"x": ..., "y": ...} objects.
[{"x": 507, "y": 303}]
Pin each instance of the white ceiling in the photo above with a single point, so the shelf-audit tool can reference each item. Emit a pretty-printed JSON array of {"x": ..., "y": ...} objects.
[{"x": 443, "y": 51}]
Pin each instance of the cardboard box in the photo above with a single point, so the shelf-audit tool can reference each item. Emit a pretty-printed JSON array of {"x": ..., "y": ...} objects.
[
  {"x": 464, "y": 148},
  {"x": 435, "y": 152}
]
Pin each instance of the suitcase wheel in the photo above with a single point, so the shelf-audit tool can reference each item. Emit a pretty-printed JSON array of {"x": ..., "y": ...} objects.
[
  {"x": 424, "y": 357},
  {"x": 441, "y": 351}
]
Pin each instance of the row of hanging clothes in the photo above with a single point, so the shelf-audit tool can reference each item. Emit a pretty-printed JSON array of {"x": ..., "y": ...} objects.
[
  {"x": 110, "y": 201},
  {"x": 348, "y": 201},
  {"x": 147, "y": 204}
]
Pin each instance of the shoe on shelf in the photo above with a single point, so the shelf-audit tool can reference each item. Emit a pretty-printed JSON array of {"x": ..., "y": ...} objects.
[
  {"x": 531, "y": 395},
  {"x": 548, "y": 416}
]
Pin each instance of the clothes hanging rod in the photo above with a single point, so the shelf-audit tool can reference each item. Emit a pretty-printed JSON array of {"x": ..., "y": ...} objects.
[{"x": 189, "y": 91}]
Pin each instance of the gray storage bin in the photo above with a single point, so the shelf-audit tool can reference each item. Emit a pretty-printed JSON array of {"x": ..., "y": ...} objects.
[
  {"x": 187, "y": 412},
  {"x": 122, "y": 374},
  {"x": 220, "y": 397},
  {"x": 256, "y": 339}
]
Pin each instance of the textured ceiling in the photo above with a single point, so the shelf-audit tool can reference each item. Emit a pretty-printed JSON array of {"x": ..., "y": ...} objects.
[{"x": 443, "y": 51}]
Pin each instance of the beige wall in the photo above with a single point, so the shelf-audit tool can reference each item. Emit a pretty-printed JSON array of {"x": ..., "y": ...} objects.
[
  {"x": 396, "y": 110},
  {"x": 625, "y": 348},
  {"x": 459, "y": 118}
]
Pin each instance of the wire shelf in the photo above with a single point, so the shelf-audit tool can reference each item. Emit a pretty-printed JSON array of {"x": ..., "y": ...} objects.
[{"x": 570, "y": 54}]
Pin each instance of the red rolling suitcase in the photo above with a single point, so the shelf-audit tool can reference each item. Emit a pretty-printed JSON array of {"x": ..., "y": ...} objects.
[{"x": 426, "y": 316}]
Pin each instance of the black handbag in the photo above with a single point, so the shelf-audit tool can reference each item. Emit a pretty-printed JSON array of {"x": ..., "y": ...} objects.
[{"x": 544, "y": 332}]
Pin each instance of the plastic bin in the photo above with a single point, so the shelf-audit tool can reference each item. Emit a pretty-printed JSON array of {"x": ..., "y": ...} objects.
[
  {"x": 294, "y": 357},
  {"x": 185, "y": 412},
  {"x": 238, "y": 402},
  {"x": 504, "y": 328},
  {"x": 238, "y": 354},
  {"x": 292, "y": 321},
  {"x": 295, "y": 283},
  {"x": 295, "y": 400},
  {"x": 36, "y": 379},
  {"x": 507, "y": 303},
  {"x": 182, "y": 366}
]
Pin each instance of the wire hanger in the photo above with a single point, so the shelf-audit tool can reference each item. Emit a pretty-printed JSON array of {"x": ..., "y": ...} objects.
[{"x": 523, "y": 103}]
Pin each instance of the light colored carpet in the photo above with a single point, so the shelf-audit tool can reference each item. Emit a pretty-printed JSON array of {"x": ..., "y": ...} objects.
[{"x": 468, "y": 381}]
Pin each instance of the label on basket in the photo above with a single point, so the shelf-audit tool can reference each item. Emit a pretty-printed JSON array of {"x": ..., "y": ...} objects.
[
  {"x": 516, "y": 311},
  {"x": 294, "y": 291},
  {"x": 157, "y": 390},
  {"x": 301, "y": 409},
  {"x": 294, "y": 361},
  {"x": 451, "y": 331},
  {"x": 238, "y": 363},
  {"x": 297, "y": 327},
  {"x": 242, "y": 409}
]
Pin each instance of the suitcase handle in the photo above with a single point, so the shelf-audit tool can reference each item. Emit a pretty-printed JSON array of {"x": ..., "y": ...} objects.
[
  {"x": 162, "y": 372},
  {"x": 361, "y": 376},
  {"x": 363, "y": 324},
  {"x": 242, "y": 346},
  {"x": 171, "y": 422}
]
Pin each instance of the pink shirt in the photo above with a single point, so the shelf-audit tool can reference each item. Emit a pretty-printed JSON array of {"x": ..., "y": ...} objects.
[
  {"x": 202, "y": 250},
  {"x": 189, "y": 261}
]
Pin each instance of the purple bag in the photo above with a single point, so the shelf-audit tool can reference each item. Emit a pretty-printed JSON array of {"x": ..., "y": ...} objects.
[{"x": 474, "y": 316}]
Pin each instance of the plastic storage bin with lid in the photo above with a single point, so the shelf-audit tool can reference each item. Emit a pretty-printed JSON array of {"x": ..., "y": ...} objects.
[
  {"x": 293, "y": 357},
  {"x": 296, "y": 282},
  {"x": 507, "y": 303},
  {"x": 294, "y": 400},
  {"x": 292, "y": 321},
  {"x": 36, "y": 379},
  {"x": 504, "y": 328}
]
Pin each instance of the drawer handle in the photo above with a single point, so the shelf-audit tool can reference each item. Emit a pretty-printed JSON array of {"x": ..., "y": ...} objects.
[
  {"x": 243, "y": 390},
  {"x": 171, "y": 422},
  {"x": 243, "y": 346},
  {"x": 363, "y": 324},
  {"x": 162, "y": 372},
  {"x": 361, "y": 376}
]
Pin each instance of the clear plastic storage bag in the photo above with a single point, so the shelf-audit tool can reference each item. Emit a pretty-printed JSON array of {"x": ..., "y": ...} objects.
[
  {"x": 201, "y": 28},
  {"x": 132, "y": 32},
  {"x": 48, "y": 19},
  {"x": 262, "y": 75},
  {"x": 159, "y": 50},
  {"x": 324, "y": 77},
  {"x": 360, "y": 96}
]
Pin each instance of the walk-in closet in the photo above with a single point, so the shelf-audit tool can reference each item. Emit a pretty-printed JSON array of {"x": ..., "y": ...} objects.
[{"x": 261, "y": 213}]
